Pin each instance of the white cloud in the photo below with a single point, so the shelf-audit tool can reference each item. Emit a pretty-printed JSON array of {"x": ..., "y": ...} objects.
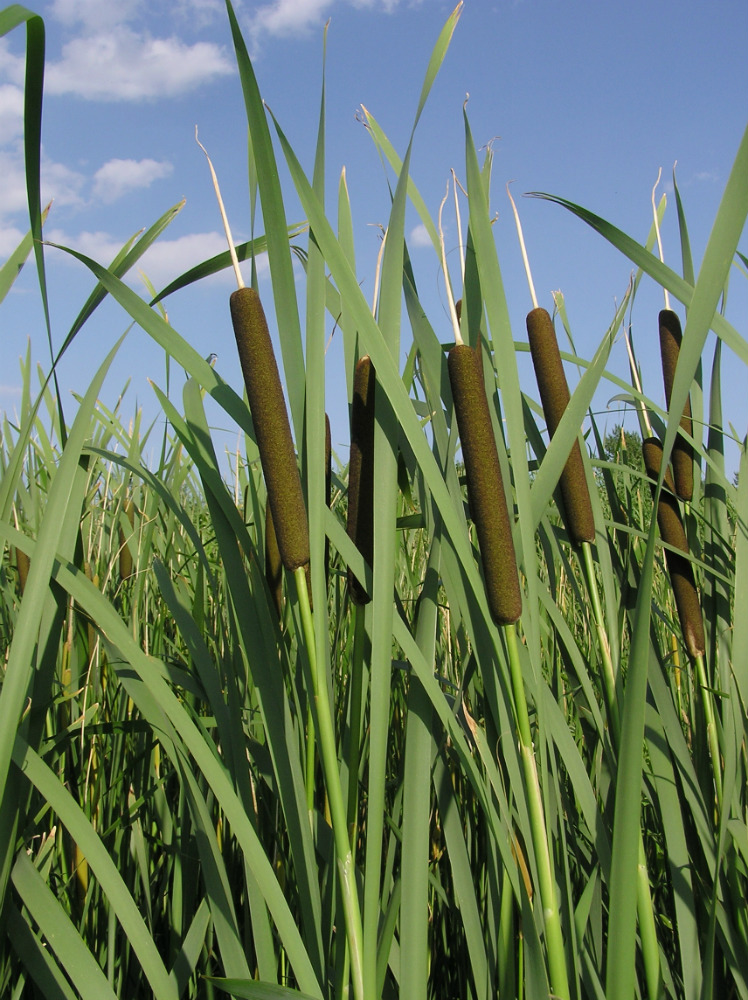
[
  {"x": 419, "y": 236},
  {"x": 117, "y": 177},
  {"x": 12, "y": 66},
  {"x": 161, "y": 263},
  {"x": 126, "y": 65},
  {"x": 285, "y": 17},
  {"x": 11, "y": 112},
  {"x": 99, "y": 246},
  {"x": 94, "y": 14},
  {"x": 9, "y": 240},
  {"x": 13, "y": 187},
  {"x": 167, "y": 259}
]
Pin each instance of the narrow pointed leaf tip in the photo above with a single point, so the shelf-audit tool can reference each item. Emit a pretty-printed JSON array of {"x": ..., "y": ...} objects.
[
  {"x": 272, "y": 429},
  {"x": 554, "y": 395}
]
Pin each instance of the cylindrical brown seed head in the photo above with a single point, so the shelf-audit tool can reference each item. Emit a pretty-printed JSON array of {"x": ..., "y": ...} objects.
[
  {"x": 125, "y": 556},
  {"x": 272, "y": 429},
  {"x": 273, "y": 564},
  {"x": 485, "y": 487},
  {"x": 23, "y": 564},
  {"x": 554, "y": 395},
  {"x": 361, "y": 472},
  {"x": 683, "y": 456},
  {"x": 678, "y": 564}
]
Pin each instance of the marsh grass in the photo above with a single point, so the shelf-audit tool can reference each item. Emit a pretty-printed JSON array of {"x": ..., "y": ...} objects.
[{"x": 562, "y": 800}]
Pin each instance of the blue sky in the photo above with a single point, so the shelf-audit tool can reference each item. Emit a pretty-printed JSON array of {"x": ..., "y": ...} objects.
[{"x": 588, "y": 100}]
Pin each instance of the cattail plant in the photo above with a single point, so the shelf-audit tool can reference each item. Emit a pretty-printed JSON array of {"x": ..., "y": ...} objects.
[
  {"x": 683, "y": 455},
  {"x": 677, "y": 556},
  {"x": 272, "y": 428},
  {"x": 486, "y": 497},
  {"x": 554, "y": 395},
  {"x": 361, "y": 472},
  {"x": 23, "y": 564},
  {"x": 273, "y": 564}
]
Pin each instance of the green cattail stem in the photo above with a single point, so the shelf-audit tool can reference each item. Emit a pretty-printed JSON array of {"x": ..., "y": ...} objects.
[
  {"x": 683, "y": 455},
  {"x": 559, "y": 980},
  {"x": 486, "y": 497},
  {"x": 329, "y": 758},
  {"x": 125, "y": 556},
  {"x": 361, "y": 472},
  {"x": 554, "y": 395},
  {"x": 272, "y": 429}
]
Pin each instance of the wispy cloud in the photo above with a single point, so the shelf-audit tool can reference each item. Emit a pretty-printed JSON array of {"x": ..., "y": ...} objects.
[
  {"x": 286, "y": 17},
  {"x": 11, "y": 112},
  {"x": 419, "y": 236},
  {"x": 162, "y": 262},
  {"x": 117, "y": 177},
  {"x": 125, "y": 65}
]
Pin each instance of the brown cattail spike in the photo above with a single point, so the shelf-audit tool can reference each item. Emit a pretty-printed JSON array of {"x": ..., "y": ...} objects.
[
  {"x": 683, "y": 455},
  {"x": 272, "y": 428},
  {"x": 678, "y": 564},
  {"x": 485, "y": 487},
  {"x": 23, "y": 564},
  {"x": 554, "y": 395},
  {"x": 361, "y": 472},
  {"x": 273, "y": 564}
]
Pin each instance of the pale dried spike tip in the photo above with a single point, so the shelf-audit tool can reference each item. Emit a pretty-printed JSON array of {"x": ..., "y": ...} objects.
[
  {"x": 447, "y": 285},
  {"x": 224, "y": 217},
  {"x": 657, "y": 230},
  {"x": 458, "y": 218},
  {"x": 523, "y": 248},
  {"x": 637, "y": 383}
]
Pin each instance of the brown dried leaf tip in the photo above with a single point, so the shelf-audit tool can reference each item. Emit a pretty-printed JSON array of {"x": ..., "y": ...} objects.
[
  {"x": 678, "y": 563},
  {"x": 361, "y": 472},
  {"x": 272, "y": 429},
  {"x": 485, "y": 486},
  {"x": 683, "y": 453},
  {"x": 554, "y": 395}
]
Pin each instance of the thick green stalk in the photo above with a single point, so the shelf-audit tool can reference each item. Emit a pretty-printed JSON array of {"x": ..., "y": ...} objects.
[
  {"x": 609, "y": 677},
  {"x": 711, "y": 727},
  {"x": 647, "y": 929},
  {"x": 356, "y": 671},
  {"x": 559, "y": 979},
  {"x": 328, "y": 754}
]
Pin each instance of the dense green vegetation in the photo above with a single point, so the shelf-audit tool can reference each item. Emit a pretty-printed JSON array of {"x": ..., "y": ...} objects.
[{"x": 210, "y": 788}]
